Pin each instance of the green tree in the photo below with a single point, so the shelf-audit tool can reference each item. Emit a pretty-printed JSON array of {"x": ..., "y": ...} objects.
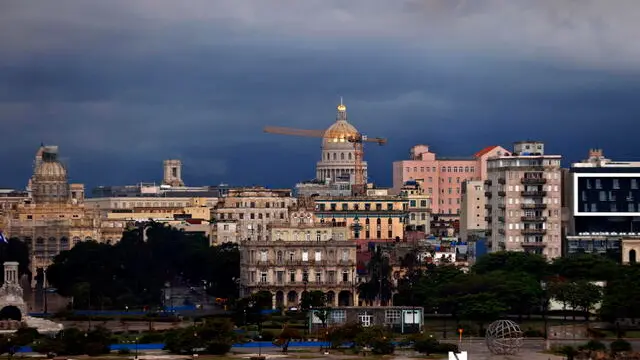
[
  {"x": 585, "y": 267},
  {"x": 134, "y": 272},
  {"x": 621, "y": 298},
  {"x": 519, "y": 262}
]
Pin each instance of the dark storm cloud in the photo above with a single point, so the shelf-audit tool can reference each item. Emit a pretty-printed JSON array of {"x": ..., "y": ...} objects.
[{"x": 121, "y": 85}]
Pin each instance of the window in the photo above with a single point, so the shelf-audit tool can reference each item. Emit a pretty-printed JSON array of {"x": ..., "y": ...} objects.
[
  {"x": 292, "y": 276},
  {"x": 280, "y": 277},
  {"x": 263, "y": 255},
  {"x": 318, "y": 276},
  {"x": 305, "y": 276},
  {"x": 305, "y": 255},
  {"x": 345, "y": 255},
  {"x": 318, "y": 256},
  {"x": 263, "y": 277},
  {"x": 365, "y": 319},
  {"x": 345, "y": 276},
  {"x": 279, "y": 256},
  {"x": 616, "y": 184},
  {"x": 392, "y": 316}
]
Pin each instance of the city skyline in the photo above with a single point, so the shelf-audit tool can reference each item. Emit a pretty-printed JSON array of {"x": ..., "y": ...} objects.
[{"x": 121, "y": 86}]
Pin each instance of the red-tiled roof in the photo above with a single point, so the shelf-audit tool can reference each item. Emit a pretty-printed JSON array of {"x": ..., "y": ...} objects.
[{"x": 485, "y": 150}]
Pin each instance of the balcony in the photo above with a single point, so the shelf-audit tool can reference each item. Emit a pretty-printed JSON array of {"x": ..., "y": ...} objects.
[
  {"x": 487, "y": 182},
  {"x": 534, "y": 193},
  {"x": 501, "y": 231},
  {"x": 533, "y": 219},
  {"x": 487, "y": 218},
  {"x": 488, "y": 194},
  {"x": 536, "y": 244},
  {"x": 502, "y": 206},
  {"x": 534, "y": 231},
  {"x": 533, "y": 180},
  {"x": 502, "y": 193},
  {"x": 501, "y": 219},
  {"x": 502, "y": 181},
  {"x": 487, "y": 206},
  {"x": 536, "y": 206}
]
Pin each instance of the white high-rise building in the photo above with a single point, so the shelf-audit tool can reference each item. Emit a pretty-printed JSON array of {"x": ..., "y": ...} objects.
[{"x": 524, "y": 200}]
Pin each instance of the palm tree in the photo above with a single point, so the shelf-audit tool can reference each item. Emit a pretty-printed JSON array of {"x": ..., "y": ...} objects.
[{"x": 379, "y": 285}]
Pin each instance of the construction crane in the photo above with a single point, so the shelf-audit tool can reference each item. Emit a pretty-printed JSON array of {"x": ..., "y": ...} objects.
[{"x": 357, "y": 139}]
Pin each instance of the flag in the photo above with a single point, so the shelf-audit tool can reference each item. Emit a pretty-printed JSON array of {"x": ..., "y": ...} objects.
[{"x": 3, "y": 238}]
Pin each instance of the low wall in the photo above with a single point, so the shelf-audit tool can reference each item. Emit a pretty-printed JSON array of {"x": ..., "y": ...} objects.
[{"x": 254, "y": 344}]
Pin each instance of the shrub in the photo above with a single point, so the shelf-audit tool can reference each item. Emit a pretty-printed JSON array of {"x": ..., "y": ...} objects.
[
  {"x": 218, "y": 347},
  {"x": 426, "y": 346},
  {"x": 382, "y": 346},
  {"x": 152, "y": 337},
  {"x": 96, "y": 349},
  {"x": 593, "y": 345},
  {"x": 620, "y": 345},
  {"x": 432, "y": 346}
]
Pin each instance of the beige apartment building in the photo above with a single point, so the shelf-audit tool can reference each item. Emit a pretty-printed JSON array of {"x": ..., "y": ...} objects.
[
  {"x": 473, "y": 219},
  {"x": 524, "y": 200},
  {"x": 300, "y": 255},
  {"x": 252, "y": 209},
  {"x": 419, "y": 207}
]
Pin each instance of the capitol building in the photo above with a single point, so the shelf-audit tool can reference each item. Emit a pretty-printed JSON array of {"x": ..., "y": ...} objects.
[
  {"x": 51, "y": 215},
  {"x": 338, "y": 154}
]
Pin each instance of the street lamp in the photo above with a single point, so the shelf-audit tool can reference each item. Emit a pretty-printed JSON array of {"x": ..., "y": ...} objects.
[
  {"x": 136, "y": 357},
  {"x": 545, "y": 304},
  {"x": 304, "y": 300}
]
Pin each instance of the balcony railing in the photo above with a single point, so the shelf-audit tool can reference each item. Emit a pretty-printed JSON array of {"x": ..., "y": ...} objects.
[
  {"x": 533, "y": 180},
  {"x": 537, "y": 244},
  {"x": 533, "y": 218},
  {"x": 502, "y": 193},
  {"x": 487, "y": 182},
  {"x": 536, "y": 206},
  {"x": 502, "y": 181},
  {"x": 534, "y": 231},
  {"x": 488, "y": 194},
  {"x": 534, "y": 193}
]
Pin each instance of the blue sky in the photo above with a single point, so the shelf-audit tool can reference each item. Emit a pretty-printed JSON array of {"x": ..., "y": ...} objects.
[{"x": 121, "y": 85}]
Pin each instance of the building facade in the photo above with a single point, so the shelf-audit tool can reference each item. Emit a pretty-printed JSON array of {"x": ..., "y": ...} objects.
[
  {"x": 419, "y": 209},
  {"x": 524, "y": 200},
  {"x": 300, "y": 255},
  {"x": 603, "y": 204},
  {"x": 473, "y": 219},
  {"x": 253, "y": 209},
  {"x": 442, "y": 178},
  {"x": 371, "y": 218}
]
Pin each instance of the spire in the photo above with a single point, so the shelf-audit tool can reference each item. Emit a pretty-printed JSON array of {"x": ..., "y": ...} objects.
[{"x": 342, "y": 111}]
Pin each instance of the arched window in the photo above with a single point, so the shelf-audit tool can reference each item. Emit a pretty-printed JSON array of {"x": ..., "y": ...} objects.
[
  {"x": 349, "y": 156},
  {"x": 335, "y": 156},
  {"x": 632, "y": 256},
  {"x": 341, "y": 156}
]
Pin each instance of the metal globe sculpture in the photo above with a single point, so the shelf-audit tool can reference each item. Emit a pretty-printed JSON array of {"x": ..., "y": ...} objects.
[{"x": 504, "y": 337}]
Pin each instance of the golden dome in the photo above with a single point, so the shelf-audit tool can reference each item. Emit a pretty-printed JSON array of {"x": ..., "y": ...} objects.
[
  {"x": 340, "y": 131},
  {"x": 50, "y": 170}
]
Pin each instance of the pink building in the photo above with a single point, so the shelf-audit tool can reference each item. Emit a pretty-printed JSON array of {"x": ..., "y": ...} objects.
[{"x": 442, "y": 177}]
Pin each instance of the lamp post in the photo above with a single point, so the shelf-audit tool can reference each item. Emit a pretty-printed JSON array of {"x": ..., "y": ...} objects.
[
  {"x": 304, "y": 300},
  {"x": 136, "y": 356},
  {"x": 545, "y": 305}
]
